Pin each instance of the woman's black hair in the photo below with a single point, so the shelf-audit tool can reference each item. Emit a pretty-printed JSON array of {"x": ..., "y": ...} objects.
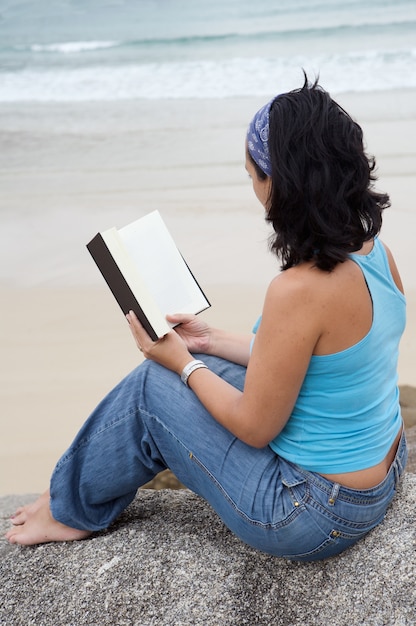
[{"x": 322, "y": 205}]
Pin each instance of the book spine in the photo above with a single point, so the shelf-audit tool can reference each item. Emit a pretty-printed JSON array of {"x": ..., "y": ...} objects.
[{"x": 117, "y": 283}]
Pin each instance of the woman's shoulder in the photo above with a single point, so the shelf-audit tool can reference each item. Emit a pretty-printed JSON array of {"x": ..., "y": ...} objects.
[
  {"x": 315, "y": 289},
  {"x": 297, "y": 288},
  {"x": 393, "y": 267}
]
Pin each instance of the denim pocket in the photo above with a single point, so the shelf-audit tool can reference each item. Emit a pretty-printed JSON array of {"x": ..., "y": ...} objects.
[
  {"x": 297, "y": 490},
  {"x": 332, "y": 544}
]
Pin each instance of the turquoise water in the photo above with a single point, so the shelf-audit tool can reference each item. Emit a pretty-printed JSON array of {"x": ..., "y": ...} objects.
[{"x": 78, "y": 50}]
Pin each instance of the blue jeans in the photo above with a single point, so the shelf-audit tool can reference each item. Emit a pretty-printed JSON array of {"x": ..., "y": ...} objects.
[{"x": 152, "y": 421}]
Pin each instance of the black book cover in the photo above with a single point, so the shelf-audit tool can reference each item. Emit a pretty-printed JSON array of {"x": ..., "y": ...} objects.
[{"x": 117, "y": 283}]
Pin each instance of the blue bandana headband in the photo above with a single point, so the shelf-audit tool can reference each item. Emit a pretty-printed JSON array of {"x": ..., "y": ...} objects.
[{"x": 258, "y": 138}]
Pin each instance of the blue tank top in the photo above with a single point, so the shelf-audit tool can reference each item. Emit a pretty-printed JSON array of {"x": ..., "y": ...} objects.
[{"x": 347, "y": 414}]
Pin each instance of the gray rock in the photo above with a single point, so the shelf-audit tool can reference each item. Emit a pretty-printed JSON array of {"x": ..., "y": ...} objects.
[
  {"x": 411, "y": 448},
  {"x": 169, "y": 561}
]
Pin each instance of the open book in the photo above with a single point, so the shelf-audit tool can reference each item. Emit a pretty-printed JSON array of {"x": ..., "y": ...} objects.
[{"x": 146, "y": 272}]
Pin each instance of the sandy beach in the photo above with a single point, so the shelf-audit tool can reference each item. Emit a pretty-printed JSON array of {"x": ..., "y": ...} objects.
[{"x": 68, "y": 171}]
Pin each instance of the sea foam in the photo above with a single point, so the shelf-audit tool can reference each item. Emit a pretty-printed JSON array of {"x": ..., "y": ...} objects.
[{"x": 371, "y": 70}]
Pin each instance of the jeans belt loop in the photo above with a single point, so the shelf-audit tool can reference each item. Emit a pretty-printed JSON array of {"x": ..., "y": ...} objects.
[{"x": 334, "y": 494}]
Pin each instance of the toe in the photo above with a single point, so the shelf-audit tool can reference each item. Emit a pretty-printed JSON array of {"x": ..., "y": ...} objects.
[
  {"x": 10, "y": 536},
  {"x": 19, "y": 517}
]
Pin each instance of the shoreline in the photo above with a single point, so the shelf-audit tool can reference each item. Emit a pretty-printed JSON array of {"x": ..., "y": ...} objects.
[{"x": 71, "y": 170}]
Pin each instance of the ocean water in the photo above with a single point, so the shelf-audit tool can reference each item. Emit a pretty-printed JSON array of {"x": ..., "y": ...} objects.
[{"x": 81, "y": 50}]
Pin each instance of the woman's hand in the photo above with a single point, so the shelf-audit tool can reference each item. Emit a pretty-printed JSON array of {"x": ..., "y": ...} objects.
[
  {"x": 195, "y": 333},
  {"x": 201, "y": 338},
  {"x": 169, "y": 351}
]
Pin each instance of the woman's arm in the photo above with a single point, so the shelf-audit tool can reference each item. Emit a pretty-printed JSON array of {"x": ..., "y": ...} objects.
[
  {"x": 281, "y": 354},
  {"x": 282, "y": 350}
]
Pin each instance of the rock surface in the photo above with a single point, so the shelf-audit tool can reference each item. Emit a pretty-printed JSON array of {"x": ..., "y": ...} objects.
[
  {"x": 408, "y": 404},
  {"x": 411, "y": 447},
  {"x": 169, "y": 561}
]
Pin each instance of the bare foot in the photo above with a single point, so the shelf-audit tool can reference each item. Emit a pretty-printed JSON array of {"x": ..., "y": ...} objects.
[{"x": 34, "y": 524}]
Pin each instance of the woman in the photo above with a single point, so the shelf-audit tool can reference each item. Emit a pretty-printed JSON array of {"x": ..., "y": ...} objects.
[{"x": 294, "y": 436}]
